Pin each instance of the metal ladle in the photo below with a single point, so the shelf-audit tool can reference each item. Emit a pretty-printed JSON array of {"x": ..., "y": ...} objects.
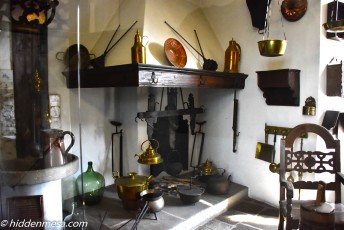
[
  {"x": 99, "y": 62},
  {"x": 273, "y": 166}
]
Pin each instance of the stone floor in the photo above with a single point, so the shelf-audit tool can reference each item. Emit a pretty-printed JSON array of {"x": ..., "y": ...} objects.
[
  {"x": 213, "y": 212},
  {"x": 248, "y": 214}
]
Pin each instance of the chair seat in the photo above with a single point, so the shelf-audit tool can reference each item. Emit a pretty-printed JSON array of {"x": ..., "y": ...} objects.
[{"x": 295, "y": 213}]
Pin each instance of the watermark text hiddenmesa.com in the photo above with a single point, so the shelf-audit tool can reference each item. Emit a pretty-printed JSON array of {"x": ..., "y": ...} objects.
[{"x": 38, "y": 224}]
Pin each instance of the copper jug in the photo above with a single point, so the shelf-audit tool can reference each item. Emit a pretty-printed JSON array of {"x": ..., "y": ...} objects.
[
  {"x": 232, "y": 57},
  {"x": 138, "y": 51},
  {"x": 54, "y": 152}
]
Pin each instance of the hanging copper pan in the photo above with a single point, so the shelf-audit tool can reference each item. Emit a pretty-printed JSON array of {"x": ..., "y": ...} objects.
[{"x": 293, "y": 10}]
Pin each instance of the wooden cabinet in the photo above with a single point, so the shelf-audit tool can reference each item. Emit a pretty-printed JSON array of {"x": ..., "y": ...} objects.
[{"x": 144, "y": 75}]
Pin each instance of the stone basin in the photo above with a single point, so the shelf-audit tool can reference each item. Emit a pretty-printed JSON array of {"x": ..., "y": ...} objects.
[{"x": 31, "y": 171}]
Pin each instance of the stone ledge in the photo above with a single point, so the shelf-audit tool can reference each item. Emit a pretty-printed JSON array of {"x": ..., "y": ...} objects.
[{"x": 174, "y": 215}]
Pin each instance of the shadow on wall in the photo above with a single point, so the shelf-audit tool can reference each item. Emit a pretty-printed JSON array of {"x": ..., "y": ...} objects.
[
  {"x": 157, "y": 52},
  {"x": 207, "y": 44}
]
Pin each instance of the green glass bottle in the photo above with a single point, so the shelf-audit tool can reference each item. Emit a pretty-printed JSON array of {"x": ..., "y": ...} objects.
[{"x": 93, "y": 185}]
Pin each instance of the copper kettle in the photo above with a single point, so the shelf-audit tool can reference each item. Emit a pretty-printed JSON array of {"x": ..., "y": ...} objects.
[{"x": 232, "y": 57}]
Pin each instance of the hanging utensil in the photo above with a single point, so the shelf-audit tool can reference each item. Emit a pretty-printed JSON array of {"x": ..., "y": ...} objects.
[
  {"x": 208, "y": 64},
  {"x": 273, "y": 166},
  {"x": 271, "y": 47},
  {"x": 99, "y": 62},
  {"x": 235, "y": 122},
  {"x": 197, "y": 133}
]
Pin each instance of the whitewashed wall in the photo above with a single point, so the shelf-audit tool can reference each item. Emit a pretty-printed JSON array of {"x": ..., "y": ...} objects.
[{"x": 216, "y": 22}]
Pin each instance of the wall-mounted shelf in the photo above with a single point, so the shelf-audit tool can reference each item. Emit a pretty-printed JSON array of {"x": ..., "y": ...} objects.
[
  {"x": 144, "y": 75},
  {"x": 280, "y": 87}
]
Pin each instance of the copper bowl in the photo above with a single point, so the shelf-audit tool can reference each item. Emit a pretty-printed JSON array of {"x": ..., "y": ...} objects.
[
  {"x": 175, "y": 52},
  {"x": 272, "y": 48}
]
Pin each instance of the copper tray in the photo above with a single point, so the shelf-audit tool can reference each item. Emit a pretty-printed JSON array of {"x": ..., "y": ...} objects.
[{"x": 175, "y": 52}]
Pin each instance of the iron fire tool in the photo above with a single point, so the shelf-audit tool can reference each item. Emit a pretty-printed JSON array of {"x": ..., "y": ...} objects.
[
  {"x": 235, "y": 122},
  {"x": 99, "y": 62},
  {"x": 191, "y": 110},
  {"x": 117, "y": 124},
  {"x": 197, "y": 133},
  {"x": 208, "y": 63}
]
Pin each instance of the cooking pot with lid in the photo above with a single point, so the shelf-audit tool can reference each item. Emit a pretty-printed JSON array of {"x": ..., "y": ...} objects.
[{"x": 129, "y": 188}]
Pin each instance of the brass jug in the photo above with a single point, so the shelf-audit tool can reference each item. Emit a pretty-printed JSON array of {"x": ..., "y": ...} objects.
[
  {"x": 138, "y": 51},
  {"x": 232, "y": 57}
]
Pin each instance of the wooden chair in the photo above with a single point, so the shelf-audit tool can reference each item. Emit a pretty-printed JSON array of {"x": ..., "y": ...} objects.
[{"x": 308, "y": 163}]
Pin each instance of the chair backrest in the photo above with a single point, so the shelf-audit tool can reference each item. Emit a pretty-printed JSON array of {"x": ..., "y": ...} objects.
[{"x": 313, "y": 162}]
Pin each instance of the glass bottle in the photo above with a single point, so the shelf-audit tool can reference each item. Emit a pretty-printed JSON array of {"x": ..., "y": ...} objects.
[
  {"x": 93, "y": 185},
  {"x": 73, "y": 220}
]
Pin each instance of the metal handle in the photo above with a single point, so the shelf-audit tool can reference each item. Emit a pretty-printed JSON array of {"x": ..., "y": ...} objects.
[
  {"x": 72, "y": 139},
  {"x": 150, "y": 141}
]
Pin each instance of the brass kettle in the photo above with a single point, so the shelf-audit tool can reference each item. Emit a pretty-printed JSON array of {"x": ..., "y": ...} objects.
[
  {"x": 207, "y": 168},
  {"x": 149, "y": 156},
  {"x": 232, "y": 57}
]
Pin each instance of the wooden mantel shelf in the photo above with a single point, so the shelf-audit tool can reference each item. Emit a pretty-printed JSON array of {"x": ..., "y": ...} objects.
[{"x": 144, "y": 75}]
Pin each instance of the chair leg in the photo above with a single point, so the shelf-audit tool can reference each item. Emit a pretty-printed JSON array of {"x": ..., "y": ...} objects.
[{"x": 281, "y": 222}]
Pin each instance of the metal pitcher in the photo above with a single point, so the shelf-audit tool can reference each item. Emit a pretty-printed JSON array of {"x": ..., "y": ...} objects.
[
  {"x": 232, "y": 57},
  {"x": 54, "y": 152},
  {"x": 138, "y": 51}
]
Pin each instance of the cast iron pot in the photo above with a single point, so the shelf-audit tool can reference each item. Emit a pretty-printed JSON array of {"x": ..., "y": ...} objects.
[
  {"x": 71, "y": 57},
  {"x": 218, "y": 185},
  {"x": 190, "y": 194},
  {"x": 154, "y": 198}
]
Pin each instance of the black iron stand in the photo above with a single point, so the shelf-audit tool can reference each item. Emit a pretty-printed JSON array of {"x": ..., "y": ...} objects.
[
  {"x": 197, "y": 133},
  {"x": 141, "y": 214},
  {"x": 120, "y": 133}
]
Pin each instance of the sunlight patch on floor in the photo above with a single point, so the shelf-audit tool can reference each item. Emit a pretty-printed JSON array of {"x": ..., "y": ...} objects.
[
  {"x": 206, "y": 203},
  {"x": 251, "y": 219}
]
